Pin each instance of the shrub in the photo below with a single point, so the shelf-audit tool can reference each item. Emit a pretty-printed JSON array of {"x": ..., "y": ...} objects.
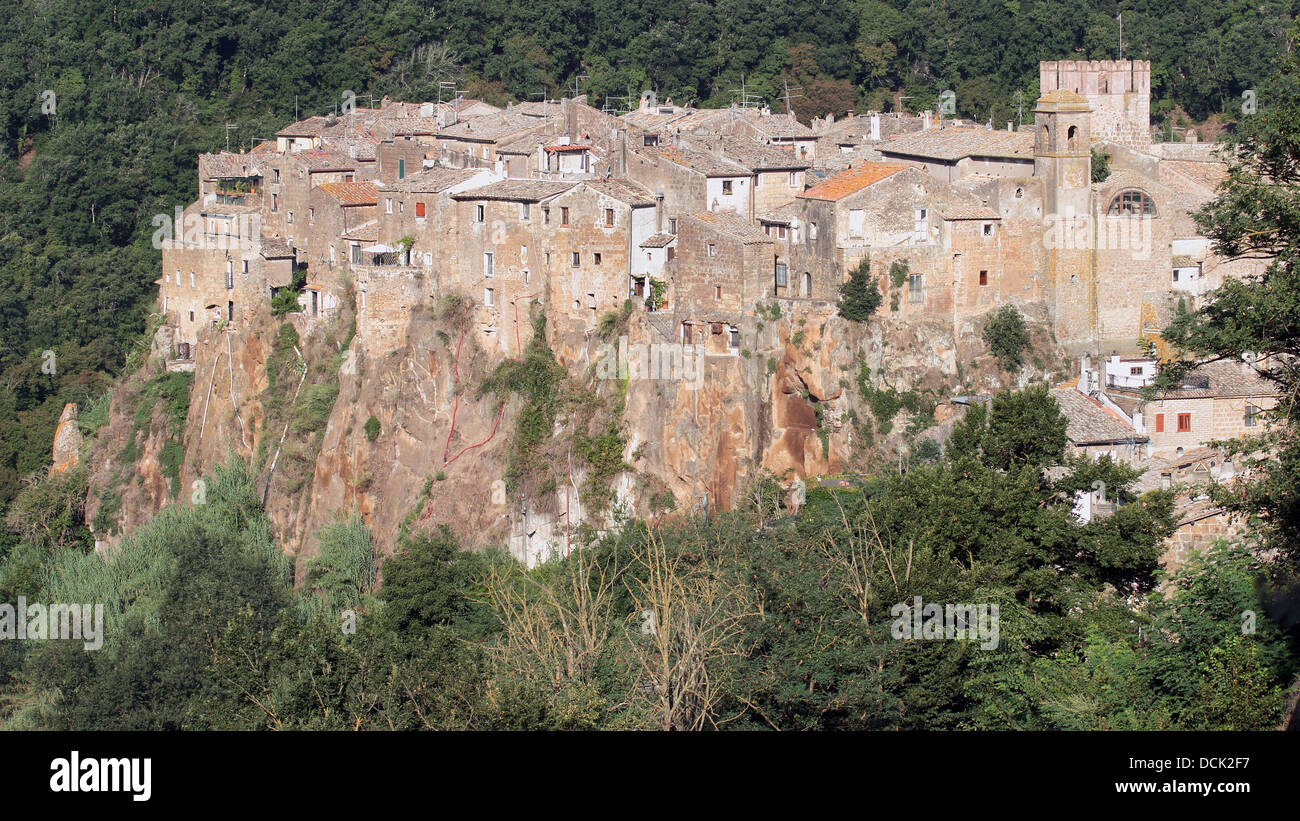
[
  {"x": 1007, "y": 337},
  {"x": 372, "y": 429},
  {"x": 859, "y": 295}
]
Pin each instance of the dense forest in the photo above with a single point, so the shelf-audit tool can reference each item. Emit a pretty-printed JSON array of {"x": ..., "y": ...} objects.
[{"x": 140, "y": 87}]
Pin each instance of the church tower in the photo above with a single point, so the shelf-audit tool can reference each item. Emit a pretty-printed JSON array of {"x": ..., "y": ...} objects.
[
  {"x": 1063, "y": 160},
  {"x": 1063, "y": 151}
]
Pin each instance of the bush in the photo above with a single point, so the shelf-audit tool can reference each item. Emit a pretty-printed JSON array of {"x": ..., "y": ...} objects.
[
  {"x": 314, "y": 407},
  {"x": 859, "y": 295},
  {"x": 1007, "y": 337},
  {"x": 372, "y": 429},
  {"x": 284, "y": 302}
]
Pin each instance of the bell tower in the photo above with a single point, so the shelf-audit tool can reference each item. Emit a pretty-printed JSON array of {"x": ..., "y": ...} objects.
[{"x": 1063, "y": 152}]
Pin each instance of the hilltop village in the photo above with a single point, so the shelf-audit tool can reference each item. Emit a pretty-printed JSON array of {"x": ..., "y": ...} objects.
[{"x": 451, "y": 232}]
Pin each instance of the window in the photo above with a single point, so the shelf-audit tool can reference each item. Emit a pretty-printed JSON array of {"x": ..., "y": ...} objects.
[
  {"x": 1072, "y": 138},
  {"x": 478, "y": 213},
  {"x": 984, "y": 277},
  {"x": 726, "y": 187},
  {"x": 275, "y": 203},
  {"x": 609, "y": 217},
  {"x": 277, "y": 175},
  {"x": 780, "y": 232},
  {"x": 564, "y": 217},
  {"x": 485, "y": 152},
  {"x": 290, "y": 218},
  {"x": 812, "y": 231},
  {"x": 401, "y": 169},
  {"x": 596, "y": 258},
  {"x": 782, "y": 275},
  {"x": 805, "y": 284},
  {"x": 546, "y": 216},
  {"x": 1251, "y": 413},
  {"x": 388, "y": 205},
  {"x": 793, "y": 183},
  {"x": 857, "y": 222},
  {"x": 672, "y": 252},
  {"x": 1135, "y": 370},
  {"x": 1132, "y": 203},
  {"x": 525, "y": 210},
  {"x": 713, "y": 249},
  {"x": 245, "y": 268},
  {"x": 401, "y": 207},
  {"x": 1160, "y": 423},
  {"x": 356, "y": 254},
  {"x": 527, "y": 277},
  {"x": 1184, "y": 422},
  {"x": 1175, "y": 275},
  {"x": 489, "y": 297},
  {"x": 311, "y": 214},
  {"x": 191, "y": 316},
  {"x": 988, "y": 229},
  {"x": 916, "y": 287},
  {"x": 191, "y": 279},
  {"x": 672, "y": 225},
  {"x": 230, "y": 275},
  {"x": 577, "y": 259},
  {"x": 717, "y": 292},
  {"x": 489, "y": 264},
  {"x": 733, "y": 338},
  {"x": 1020, "y": 193},
  {"x": 650, "y": 140},
  {"x": 920, "y": 225},
  {"x": 419, "y": 210}
]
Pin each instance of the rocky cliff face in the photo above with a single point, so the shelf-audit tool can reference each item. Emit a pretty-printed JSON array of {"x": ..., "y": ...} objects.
[{"x": 333, "y": 420}]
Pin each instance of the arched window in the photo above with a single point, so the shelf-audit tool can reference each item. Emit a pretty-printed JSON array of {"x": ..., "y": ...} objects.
[
  {"x": 1134, "y": 203},
  {"x": 1072, "y": 138},
  {"x": 1046, "y": 136}
]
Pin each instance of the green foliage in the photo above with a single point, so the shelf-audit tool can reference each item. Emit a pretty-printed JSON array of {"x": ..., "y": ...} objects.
[
  {"x": 344, "y": 570},
  {"x": 372, "y": 429},
  {"x": 1007, "y": 337},
  {"x": 859, "y": 294},
  {"x": 313, "y": 407},
  {"x": 284, "y": 302},
  {"x": 1100, "y": 165}
]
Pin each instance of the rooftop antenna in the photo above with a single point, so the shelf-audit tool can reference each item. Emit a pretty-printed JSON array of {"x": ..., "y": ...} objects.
[
  {"x": 577, "y": 87},
  {"x": 1120, "y": 17},
  {"x": 790, "y": 94},
  {"x": 1019, "y": 99},
  {"x": 229, "y": 127},
  {"x": 744, "y": 98},
  {"x": 445, "y": 85}
]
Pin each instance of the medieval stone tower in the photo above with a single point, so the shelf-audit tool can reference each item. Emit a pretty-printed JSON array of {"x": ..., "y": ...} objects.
[
  {"x": 1063, "y": 160},
  {"x": 1117, "y": 91}
]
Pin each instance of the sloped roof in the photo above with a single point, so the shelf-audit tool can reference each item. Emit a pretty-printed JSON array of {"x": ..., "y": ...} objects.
[
  {"x": 732, "y": 225},
  {"x": 1227, "y": 379},
  {"x": 851, "y": 181},
  {"x": 490, "y": 127},
  {"x": 365, "y": 232},
  {"x": 351, "y": 193},
  {"x": 705, "y": 163},
  {"x": 757, "y": 156},
  {"x": 951, "y": 144},
  {"x": 1064, "y": 99},
  {"x": 1088, "y": 422},
  {"x": 623, "y": 191},
  {"x": 275, "y": 248},
  {"x": 659, "y": 241},
  {"x": 432, "y": 180},
  {"x": 320, "y": 160},
  {"x": 516, "y": 190},
  {"x": 227, "y": 165}
]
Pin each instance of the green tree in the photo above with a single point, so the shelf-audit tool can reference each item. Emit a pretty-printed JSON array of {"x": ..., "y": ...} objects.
[{"x": 859, "y": 294}]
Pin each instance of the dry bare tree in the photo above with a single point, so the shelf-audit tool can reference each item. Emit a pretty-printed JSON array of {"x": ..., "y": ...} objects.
[{"x": 689, "y": 620}]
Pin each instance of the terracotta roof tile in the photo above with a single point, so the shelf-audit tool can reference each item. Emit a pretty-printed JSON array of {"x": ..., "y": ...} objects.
[
  {"x": 851, "y": 181},
  {"x": 351, "y": 193}
]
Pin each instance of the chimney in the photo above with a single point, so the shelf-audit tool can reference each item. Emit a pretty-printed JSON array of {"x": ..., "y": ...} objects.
[
  {"x": 875, "y": 128},
  {"x": 925, "y": 120},
  {"x": 1009, "y": 124},
  {"x": 659, "y": 212}
]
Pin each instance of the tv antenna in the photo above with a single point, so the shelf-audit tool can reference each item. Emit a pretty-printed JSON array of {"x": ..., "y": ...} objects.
[{"x": 230, "y": 127}]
